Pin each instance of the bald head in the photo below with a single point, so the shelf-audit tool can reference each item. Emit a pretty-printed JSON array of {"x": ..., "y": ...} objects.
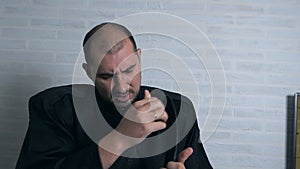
[{"x": 106, "y": 38}]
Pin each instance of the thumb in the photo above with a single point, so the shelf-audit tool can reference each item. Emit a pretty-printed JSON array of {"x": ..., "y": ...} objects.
[
  {"x": 147, "y": 94},
  {"x": 185, "y": 154}
]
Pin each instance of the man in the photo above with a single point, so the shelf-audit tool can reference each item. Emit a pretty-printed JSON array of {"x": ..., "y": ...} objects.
[{"x": 58, "y": 138}]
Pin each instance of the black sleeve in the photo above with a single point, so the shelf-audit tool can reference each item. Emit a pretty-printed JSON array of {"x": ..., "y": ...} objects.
[
  {"x": 199, "y": 158},
  {"x": 51, "y": 141}
]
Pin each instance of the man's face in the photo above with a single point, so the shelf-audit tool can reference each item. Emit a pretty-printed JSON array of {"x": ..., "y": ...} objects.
[{"x": 118, "y": 77}]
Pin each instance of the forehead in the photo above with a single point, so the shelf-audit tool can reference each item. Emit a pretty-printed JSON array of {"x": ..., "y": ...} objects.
[{"x": 120, "y": 60}]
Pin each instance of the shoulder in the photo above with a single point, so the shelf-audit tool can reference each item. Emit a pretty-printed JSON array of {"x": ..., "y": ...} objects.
[
  {"x": 51, "y": 94},
  {"x": 54, "y": 94},
  {"x": 56, "y": 97}
]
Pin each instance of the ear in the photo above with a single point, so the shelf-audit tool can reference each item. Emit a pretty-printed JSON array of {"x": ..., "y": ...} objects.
[
  {"x": 139, "y": 53},
  {"x": 87, "y": 70}
]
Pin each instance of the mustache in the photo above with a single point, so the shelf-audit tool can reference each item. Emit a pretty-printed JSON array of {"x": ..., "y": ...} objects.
[{"x": 120, "y": 94}]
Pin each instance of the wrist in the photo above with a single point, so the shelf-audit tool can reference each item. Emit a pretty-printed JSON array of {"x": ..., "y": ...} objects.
[
  {"x": 116, "y": 142},
  {"x": 113, "y": 143}
]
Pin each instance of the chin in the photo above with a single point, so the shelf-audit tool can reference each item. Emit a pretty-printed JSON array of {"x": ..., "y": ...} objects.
[{"x": 121, "y": 107}]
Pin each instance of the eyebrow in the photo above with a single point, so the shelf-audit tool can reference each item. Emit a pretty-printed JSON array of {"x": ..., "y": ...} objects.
[
  {"x": 111, "y": 73},
  {"x": 128, "y": 68}
]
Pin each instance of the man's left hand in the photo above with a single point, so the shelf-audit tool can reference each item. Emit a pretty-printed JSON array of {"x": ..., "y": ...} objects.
[{"x": 183, "y": 156}]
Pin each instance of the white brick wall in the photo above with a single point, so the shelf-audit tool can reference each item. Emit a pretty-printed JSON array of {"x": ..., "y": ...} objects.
[{"x": 258, "y": 43}]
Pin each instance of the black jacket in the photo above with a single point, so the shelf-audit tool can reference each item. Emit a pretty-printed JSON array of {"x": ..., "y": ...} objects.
[{"x": 58, "y": 138}]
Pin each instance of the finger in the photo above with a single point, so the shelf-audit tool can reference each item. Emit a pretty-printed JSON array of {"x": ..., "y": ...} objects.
[
  {"x": 155, "y": 126},
  {"x": 144, "y": 102},
  {"x": 156, "y": 104},
  {"x": 185, "y": 154},
  {"x": 162, "y": 116},
  {"x": 147, "y": 94},
  {"x": 175, "y": 165},
  {"x": 149, "y": 104}
]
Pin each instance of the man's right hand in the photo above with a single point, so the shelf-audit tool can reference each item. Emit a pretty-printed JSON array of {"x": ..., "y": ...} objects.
[{"x": 143, "y": 118}]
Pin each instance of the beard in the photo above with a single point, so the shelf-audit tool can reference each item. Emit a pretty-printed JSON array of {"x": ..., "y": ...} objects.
[{"x": 123, "y": 101}]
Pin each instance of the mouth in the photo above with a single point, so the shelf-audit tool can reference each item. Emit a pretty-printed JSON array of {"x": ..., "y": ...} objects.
[{"x": 121, "y": 97}]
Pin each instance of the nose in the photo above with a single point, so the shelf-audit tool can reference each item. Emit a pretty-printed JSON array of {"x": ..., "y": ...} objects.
[{"x": 120, "y": 83}]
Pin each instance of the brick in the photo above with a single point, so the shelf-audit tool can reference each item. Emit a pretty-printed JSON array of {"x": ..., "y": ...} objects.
[
  {"x": 238, "y": 148},
  {"x": 25, "y": 33},
  {"x": 234, "y": 8},
  {"x": 277, "y": 126},
  {"x": 191, "y": 5},
  {"x": 258, "y": 137},
  {"x": 88, "y": 14},
  {"x": 12, "y": 101},
  {"x": 72, "y": 4},
  {"x": 272, "y": 113},
  {"x": 240, "y": 78},
  {"x": 154, "y": 5},
  {"x": 248, "y": 112},
  {"x": 273, "y": 150},
  {"x": 26, "y": 56},
  {"x": 288, "y": 68},
  {"x": 12, "y": 44},
  {"x": 13, "y": 21},
  {"x": 59, "y": 69},
  {"x": 282, "y": 57},
  {"x": 240, "y": 125},
  {"x": 221, "y": 137},
  {"x": 274, "y": 162},
  {"x": 62, "y": 80},
  {"x": 283, "y": 33},
  {"x": 282, "y": 79},
  {"x": 250, "y": 67},
  {"x": 275, "y": 102},
  {"x": 45, "y": 3},
  {"x": 76, "y": 35},
  {"x": 66, "y": 57},
  {"x": 14, "y": 2},
  {"x": 26, "y": 80},
  {"x": 130, "y": 4},
  {"x": 21, "y": 11},
  {"x": 220, "y": 43},
  {"x": 287, "y": 9},
  {"x": 58, "y": 23},
  {"x": 57, "y": 45},
  {"x": 247, "y": 161},
  {"x": 11, "y": 67},
  {"x": 266, "y": 21},
  {"x": 238, "y": 54},
  {"x": 267, "y": 44},
  {"x": 232, "y": 31}
]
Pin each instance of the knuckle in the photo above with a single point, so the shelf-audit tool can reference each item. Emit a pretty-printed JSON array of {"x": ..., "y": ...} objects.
[
  {"x": 144, "y": 128},
  {"x": 170, "y": 164}
]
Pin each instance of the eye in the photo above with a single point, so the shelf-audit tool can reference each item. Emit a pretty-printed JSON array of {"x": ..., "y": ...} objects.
[
  {"x": 105, "y": 76},
  {"x": 128, "y": 70}
]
